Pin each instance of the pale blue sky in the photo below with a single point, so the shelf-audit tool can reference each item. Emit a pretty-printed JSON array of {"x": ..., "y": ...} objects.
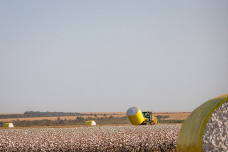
[{"x": 91, "y": 56}]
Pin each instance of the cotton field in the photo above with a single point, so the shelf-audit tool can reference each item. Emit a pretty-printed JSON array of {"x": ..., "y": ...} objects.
[{"x": 96, "y": 138}]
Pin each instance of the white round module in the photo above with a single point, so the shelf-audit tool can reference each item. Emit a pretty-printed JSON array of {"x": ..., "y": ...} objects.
[{"x": 132, "y": 111}]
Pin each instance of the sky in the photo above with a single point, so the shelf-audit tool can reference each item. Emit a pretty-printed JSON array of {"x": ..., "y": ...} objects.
[{"x": 107, "y": 56}]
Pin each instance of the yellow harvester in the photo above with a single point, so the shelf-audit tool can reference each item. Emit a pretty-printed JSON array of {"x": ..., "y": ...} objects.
[{"x": 137, "y": 117}]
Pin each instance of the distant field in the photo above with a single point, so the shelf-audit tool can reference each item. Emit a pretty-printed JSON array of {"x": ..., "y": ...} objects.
[
  {"x": 53, "y": 118},
  {"x": 171, "y": 116}
]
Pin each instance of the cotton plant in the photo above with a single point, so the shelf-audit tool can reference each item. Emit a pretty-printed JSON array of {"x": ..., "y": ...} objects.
[{"x": 99, "y": 138}]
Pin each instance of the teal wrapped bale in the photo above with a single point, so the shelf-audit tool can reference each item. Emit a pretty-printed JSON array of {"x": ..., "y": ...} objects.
[{"x": 205, "y": 129}]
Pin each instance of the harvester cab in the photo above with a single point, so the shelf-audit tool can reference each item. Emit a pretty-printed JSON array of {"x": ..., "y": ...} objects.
[{"x": 150, "y": 119}]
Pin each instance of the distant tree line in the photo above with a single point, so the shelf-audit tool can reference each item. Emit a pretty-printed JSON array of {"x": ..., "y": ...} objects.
[
  {"x": 161, "y": 116},
  {"x": 170, "y": 121},
  {"x": 162, "y": 120},
  {"x": 28, "y": 114}
]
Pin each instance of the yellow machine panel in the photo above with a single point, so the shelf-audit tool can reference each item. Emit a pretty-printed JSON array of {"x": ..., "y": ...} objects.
[
  {"x": 135, "y": 116},
  {"x": 154, "y": 120}
]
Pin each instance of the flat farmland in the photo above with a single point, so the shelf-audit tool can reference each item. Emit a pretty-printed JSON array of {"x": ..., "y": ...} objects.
[{"x": 171, "y": 116}]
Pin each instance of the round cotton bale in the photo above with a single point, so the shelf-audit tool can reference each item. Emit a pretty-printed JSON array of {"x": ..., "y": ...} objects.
[
  {"x": 90, "y": 123},
  {"x": 8, "y": 125},
  {"x": 206, "y": 129},
  {"x": 135, "y": 116}
]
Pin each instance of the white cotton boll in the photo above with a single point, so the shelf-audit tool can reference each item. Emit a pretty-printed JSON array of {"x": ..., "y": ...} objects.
[
  {"x": 108, "y": 138},
  {"x": 216, "y": 132}
]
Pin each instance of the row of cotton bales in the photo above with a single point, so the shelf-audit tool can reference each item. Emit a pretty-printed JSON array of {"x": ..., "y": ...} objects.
[
  {"x": 8, "y": 125},
  {"x": 87, "y": 123},
  {"x": 90, "y": 123}
]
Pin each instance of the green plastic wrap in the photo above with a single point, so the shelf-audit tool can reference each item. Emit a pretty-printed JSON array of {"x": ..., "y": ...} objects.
[{"x": 190, "y": 137}]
